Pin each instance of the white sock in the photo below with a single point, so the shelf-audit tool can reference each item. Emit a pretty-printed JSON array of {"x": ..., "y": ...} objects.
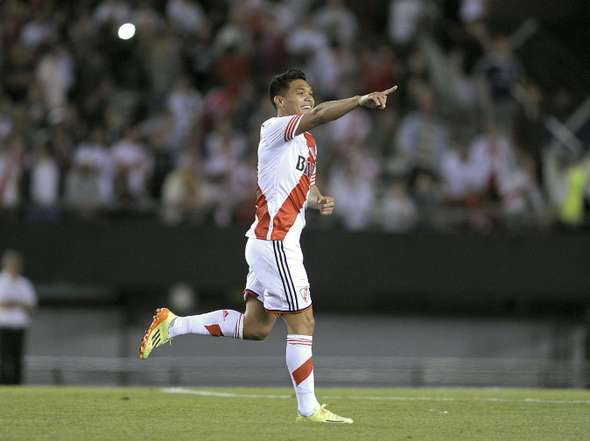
[
  {"x": 300, "y": 365},
  {"x": 222, "y": 323}
]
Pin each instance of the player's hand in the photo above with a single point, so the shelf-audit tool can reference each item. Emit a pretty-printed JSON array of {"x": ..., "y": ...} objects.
[
  {"x": 326, "y": 205},
  {"x": 376, "y": 100}
]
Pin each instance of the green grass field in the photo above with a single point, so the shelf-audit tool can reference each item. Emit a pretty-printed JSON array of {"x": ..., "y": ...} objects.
[{"x": 130, "y": 414}]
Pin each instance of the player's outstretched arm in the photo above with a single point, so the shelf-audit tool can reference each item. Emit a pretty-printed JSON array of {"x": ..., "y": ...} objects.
[{"x": 332, "y": 110}]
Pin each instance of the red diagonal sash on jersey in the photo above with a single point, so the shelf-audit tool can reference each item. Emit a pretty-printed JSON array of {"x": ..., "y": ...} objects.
[
  {"x": 311, "y": 145},
  {"x": 288, "y": 212},
  {"x": 262, "y": 215},
  {"x": 313, "y": 152}
]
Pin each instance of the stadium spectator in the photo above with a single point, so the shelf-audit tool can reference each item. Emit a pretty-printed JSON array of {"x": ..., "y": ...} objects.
[
  {"x": 397, "y": 211},
  {"x": 44, "y": 186},
  {"x": 6, "y": 124},
  {"x": 380, "y": 68},
  {"x": 235, "y": 35},
  {"x": 349, "y": 130},
  {"x": 55, "y": 73},
  {"x": 422, "y": 139},
  {"x": 499, "y": 72},
  {"x": 529, "y": 126},
  {"x": 568, "y": 186},
  {"x": 185, "y": 194},
  {"x": 242, "y": 188},
  {"x": 460, "y": 180},
  {"x": 111, "y": 11},
  {"x": 162, "y": 60},
  {"x": 354, "y": 192},
  {"x": 17, "y": 301},
  {"x": 455, "y": 90},
  {"x": 186, "y": 105},
  {"x": 38, "y": 31},
  {"x": 187, "y": 17},
  {"x": 133, "y": 167},
  {"x": 493, "y": 161},
  {"x": 289, "y": 13},
  {"x": 426, "y": 190},
  {"x": 11, "y": 169},
  {"x": 473, "y": 10},
  {"x": 224, "y": 151},
  {"x": 95, "y": 154},
  {"x": 339, "y": 23},
  {"x": 82, "y": 192},
  {"x": 306, "y": 39},
  {"x": 404, "y": 19}
]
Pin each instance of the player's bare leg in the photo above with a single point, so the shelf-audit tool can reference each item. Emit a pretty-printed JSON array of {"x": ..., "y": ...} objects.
[
  {"x": 302, "y": 323},
  {"x": 258, "y": 322}
]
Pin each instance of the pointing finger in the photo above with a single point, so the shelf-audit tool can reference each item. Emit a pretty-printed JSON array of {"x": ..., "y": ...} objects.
[{"x": 390, "y": 90}]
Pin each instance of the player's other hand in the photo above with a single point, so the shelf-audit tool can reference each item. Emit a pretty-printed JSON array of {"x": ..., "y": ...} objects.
[
  {"x": 326, "y": 205},
  {"x": 376, "y": 100}
]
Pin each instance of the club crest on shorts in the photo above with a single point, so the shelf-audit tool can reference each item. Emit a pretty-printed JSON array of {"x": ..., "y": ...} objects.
[{"x": 304, "y": 293}]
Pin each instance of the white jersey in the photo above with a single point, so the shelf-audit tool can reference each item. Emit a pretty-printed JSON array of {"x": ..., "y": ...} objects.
[
  {"x": 286, "y": 171},
  {"x": 19, "y": 290}
]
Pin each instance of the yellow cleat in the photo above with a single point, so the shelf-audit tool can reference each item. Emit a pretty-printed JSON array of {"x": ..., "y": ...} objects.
[
  {"x": 323, "y": 415},
  {"x": 157, "y": 334}
]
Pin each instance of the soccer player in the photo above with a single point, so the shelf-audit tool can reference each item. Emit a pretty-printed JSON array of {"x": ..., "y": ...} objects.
[{"x": 277, "y": 285}]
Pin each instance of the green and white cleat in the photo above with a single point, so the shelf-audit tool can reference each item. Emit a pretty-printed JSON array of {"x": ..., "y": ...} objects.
[
  {"x": 157, "y": 334},
  {"x": 323, "y": 415}
]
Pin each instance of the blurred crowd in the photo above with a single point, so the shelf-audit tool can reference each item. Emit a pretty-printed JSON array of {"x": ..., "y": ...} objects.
[{"x": 166, "y": 123}]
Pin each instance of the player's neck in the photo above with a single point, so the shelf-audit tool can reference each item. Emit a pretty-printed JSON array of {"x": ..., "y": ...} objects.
[{"x": 280, "y": 113}]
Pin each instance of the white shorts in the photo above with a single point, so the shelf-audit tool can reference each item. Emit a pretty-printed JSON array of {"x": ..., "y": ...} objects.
[{"x": 277, "y": 276}]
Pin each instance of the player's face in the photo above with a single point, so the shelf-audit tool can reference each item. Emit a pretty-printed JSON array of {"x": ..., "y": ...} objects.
[{"x": 299, "y": 98}]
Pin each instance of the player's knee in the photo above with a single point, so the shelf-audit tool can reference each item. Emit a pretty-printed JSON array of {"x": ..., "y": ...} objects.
[
  {"x": 257, "y": 329},
  {"x": 258, "y": 336},
  {"x": 309, "y": 323},
  {"x": 258, "y": 333},
  {"x": 301, "y": 324}
]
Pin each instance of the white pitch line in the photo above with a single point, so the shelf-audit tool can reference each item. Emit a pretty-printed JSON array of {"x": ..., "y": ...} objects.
[{"x": 207, "y": 393}]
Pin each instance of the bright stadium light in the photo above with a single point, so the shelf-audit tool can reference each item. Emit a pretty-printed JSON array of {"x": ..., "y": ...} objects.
[{"x": 126, "y": 31}]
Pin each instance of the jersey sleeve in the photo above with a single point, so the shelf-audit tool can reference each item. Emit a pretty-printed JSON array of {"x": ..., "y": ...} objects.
[{"x": 279, "y": 130}]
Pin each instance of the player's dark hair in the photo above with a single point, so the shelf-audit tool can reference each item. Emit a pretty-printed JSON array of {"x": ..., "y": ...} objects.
[{"x": 280, "y": 84}]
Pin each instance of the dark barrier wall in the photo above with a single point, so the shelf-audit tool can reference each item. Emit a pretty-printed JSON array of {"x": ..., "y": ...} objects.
[{"x": 430, "y": 271}]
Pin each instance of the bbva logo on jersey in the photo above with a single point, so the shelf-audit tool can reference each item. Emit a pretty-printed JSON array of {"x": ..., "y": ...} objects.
[{"x": 305, "y": 166}]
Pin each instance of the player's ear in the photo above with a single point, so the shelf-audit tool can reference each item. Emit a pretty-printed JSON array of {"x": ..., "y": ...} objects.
[{"x": 278, "y": 100}]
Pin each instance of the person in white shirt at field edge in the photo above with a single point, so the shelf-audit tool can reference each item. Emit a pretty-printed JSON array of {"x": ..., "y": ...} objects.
[{"x": 17, "y": 300}]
